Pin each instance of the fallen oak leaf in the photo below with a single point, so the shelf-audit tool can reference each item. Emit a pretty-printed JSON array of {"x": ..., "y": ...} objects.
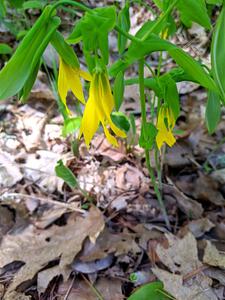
[
  {"x": 37, "y": 248},
  {"x": 213, "y": 257}
]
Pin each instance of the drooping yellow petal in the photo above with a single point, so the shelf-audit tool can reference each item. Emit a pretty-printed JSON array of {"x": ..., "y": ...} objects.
[
  {"x": 111, "y": 139},
  {"x": 98, "y": 110},
  {"x": 70, "y": 79},
  {"x": 76, "y": 85},
  {"x": 165, "y": 134},
  {"x": 63, "y": 85},
  {"x": 90, "y": 120},
  {"x": 87, "y": 76}
]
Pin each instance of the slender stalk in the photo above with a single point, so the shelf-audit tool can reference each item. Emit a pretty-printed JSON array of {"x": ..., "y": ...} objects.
[
  {"x": 73, "y": 3},
  {"x": 147, "y": 155},
  {"x": 162, "y": 17}
]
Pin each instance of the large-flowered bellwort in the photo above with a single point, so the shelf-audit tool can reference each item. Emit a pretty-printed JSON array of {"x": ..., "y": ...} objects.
[
  {"x": 165, "y": 125},
  {"x": 98, "y": 109},
  {"x": 70, "y": 79}
]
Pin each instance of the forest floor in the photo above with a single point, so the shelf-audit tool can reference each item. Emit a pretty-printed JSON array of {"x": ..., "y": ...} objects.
[{"x": 60, "y": 243}]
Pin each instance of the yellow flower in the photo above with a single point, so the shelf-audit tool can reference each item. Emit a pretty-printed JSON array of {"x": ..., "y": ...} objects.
[
  {"x": 70, "y": 79},
  {"x": 165, "y": 129},
  {"x": 98, "y": 109}
]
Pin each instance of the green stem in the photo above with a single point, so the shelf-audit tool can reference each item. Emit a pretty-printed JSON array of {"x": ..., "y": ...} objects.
[
  {"x": 156, "y": 189},
  {"x": 126, "y": 34},
  {"x": 147, "y": 155},
  {"x": 73, "y": 3},
  {"x": 162, "y": 17}
]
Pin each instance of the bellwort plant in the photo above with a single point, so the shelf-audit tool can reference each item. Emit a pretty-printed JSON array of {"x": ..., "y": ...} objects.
[{"x": 101, "y": 108}]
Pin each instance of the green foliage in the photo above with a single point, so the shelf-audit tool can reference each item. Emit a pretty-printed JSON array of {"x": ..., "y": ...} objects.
[
  {"x": 148, "y": 135},
  {"x": 66, "y": 174},
  {"x": 64, "y": 50},
  {"x": 118, "y": 89},
  {"x": 5, "y": 49},
  {"x": 217, "y": 53},
  {"x": 71, "y": 125},
  {"x": 196, "y": 11},
  {"x": 24, "y": 61},
  {"x": 150, "y": 291},
  {"x": 170, "y": 93},
  {"x": 124, "y": 24},
  {"x": 121, "y": 121},
  {"x": 213, "y": 111}
]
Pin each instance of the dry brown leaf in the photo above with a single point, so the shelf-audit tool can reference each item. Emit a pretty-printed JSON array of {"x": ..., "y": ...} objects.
[
  {"x": 181, "y": 257},
  {"x": 200, "y": 226},
  {"x": 198, "y": 289},
  {"x": 178, "y": 257},
  {"x": 9, "y": 172},
  {"x": 212, "y": 256},
  {"x": 37, "y": 248}
]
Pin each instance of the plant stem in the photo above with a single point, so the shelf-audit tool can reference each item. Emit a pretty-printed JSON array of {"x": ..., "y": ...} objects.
[
  {"x": 147, "y": 155},
  {"x": 162, "y": 17},
  {"x": 73, "y": 3}
]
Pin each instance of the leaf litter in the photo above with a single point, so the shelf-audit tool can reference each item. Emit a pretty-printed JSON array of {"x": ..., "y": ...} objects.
[{"x": 51, "y": 248}]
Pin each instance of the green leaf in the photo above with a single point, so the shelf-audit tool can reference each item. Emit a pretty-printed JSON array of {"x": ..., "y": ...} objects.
[
  {"x": 148, "y": 135},
  {"x": 193, "y": 68},
  {"x": 18, "y": 69},
  {"x": 65, "y": 51},
  {"x": 121, "y": 120},
  {"x": 66, "y": 174},
  {"x": 32, "y": 5},
  {"x": 170, "y": 93},
  {"x": 2, "y": 9},
  {"x": 140, "y": 49},
  {"x": 124, "y": 24},
  {"x": 71, "y": 125},
  {"x": 218, "y": 53},
  {"x": 5, "y": 49},
  {"x": 118, "y": 89},
  {"x": 196, "y": 11},
  {"x": 76, "y": 34},
  {"x": 16, "y": 3},
  {"x": 150, "y": 291},
  {"x": 98, "y": 23},
  {"x": 213, "y": 111},
  {"x": 218, "y": 2},
  {"x": 25, "y": 92}
]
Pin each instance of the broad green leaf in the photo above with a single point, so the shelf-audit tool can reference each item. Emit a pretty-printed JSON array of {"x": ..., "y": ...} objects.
[
  {"x": 124, "y": 24},
  {"x": 66, "y": 174},
  {"x": 218, "y": 53},
  {"x": 18, "y": 69},
  {"x": 193, "y": 68},
  {"x": 196, "y": 11},
  {"x": 32, "y": 4},
  {"x": 16, "y": 3},
  {"x": 65, "y": 51},
  {"x": 159, "y": 3},
  {"x": 71, "y": 125},
  {"x": 218, "y": 2},
  {"x": 2, "y": 8},
  {"x": 150, "y": 291},
  {"x": 148, "y": 135},
  {"x": 118, "y": 89},
  {"x": 98, "y": 23},
  {"x": 25, "y": 92},
  {"x": 76, "y": 34},
  {"x": 138, "y": 50},
  {"x": 213, "y": 111},
  {"x": 170, "y": 94},
  {"x": 5, "y": 49},
  {"x": 141, "y": 49},
  {"x": 121, "y": 120}
]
